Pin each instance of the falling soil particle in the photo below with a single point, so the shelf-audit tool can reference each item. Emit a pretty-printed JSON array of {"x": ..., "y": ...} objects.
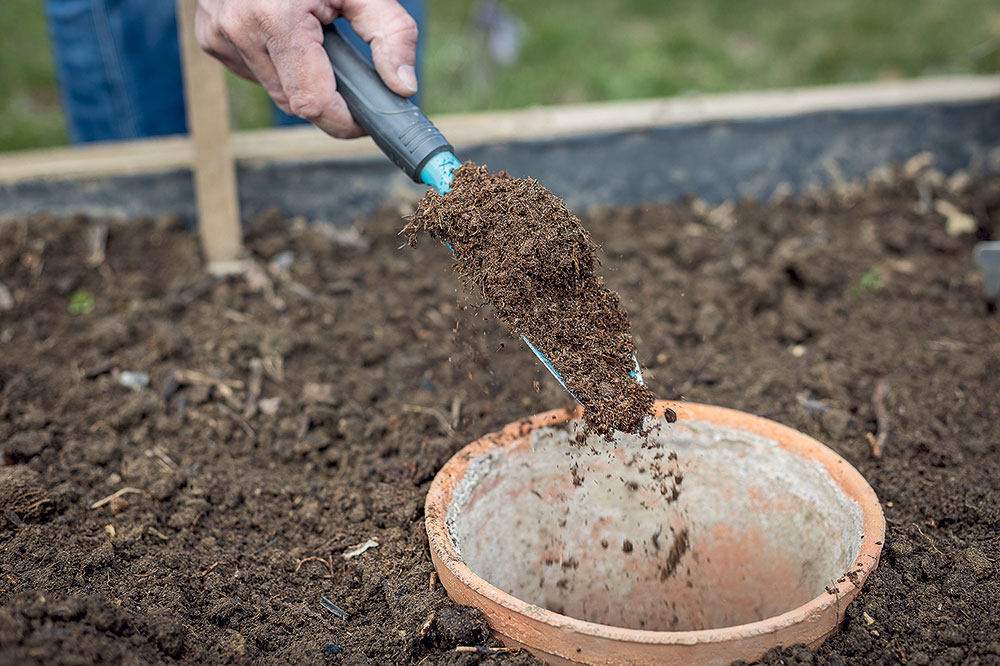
[
  {"x": 533, "y": 261},
  {"x": 674, "y": 555}
]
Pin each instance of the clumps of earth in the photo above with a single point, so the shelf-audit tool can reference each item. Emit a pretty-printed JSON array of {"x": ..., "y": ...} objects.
[
  {"x": 23, "y": 498},
  {"x": 532, "y": 260}
]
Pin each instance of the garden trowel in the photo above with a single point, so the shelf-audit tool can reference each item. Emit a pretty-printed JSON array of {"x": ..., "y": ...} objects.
[{"x": 404, "y": 134}]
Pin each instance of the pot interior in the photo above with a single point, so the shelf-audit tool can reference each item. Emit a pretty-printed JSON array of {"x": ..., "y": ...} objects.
[{"x": 699, "y": 526}]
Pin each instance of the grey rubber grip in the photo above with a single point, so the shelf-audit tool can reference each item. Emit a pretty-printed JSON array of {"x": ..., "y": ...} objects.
[{"x": 396, "y": 124}]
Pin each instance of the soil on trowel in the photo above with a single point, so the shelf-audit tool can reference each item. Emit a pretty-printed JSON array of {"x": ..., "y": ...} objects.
[
  {"x": 531, "y": 259},
  {"x": 284, "y": 419}
]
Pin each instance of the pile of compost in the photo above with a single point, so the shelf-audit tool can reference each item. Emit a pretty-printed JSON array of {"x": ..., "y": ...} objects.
[
  {"x": 530, "y": 258},
  {"x": 295, "y": 415}
]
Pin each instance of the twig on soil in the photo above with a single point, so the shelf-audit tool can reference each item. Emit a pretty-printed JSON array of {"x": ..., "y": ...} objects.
[
  {"x": 209, "y": 570},
  {"x": 98, "y": 238},
  {"x": 877, "y": 441},
  {"x": 265, "y": 546},
  {"x": 231, "y": 401},
  {"x": 929, "y": 540},
  {"x": 426, "y": 626},
  {"x": 162, "y": 456},
  {"x": 333, "y": 608},
  {"x": 237, "y": 317},
  {"x": 441, "y": 418},
  {"x": 157, "y": 533},
  {"x": 193, "y": 377},
  {"x": 240, "y": 421},
  {"x": 949, "y": 345},
  {"x": 254, "y": 384},
  {"x": 360, "y": 548},
  {"x": 274, "y": 366},
  {"x": 456, "y": 411},
  {"x": 482, "y": 649},
  {"x": 313, "y": 558},
  {"x": 124, "y": 491},
  {"x": 433, "y": 581}
]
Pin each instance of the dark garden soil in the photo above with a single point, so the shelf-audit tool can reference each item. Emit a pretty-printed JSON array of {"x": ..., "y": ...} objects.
[
  {"x": 298, "y": 411},
  {"x": 519, "y": 247}
]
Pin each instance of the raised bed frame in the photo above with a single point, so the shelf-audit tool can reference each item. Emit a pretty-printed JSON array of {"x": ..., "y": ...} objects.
[{"x": 718, "y": 147}]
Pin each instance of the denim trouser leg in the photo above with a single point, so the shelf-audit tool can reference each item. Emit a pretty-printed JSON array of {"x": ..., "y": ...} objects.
[{"x": 119, "y": 67}]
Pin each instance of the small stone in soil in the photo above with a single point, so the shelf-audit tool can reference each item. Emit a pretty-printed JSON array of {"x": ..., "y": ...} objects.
[{"x": 133, "y": 380}]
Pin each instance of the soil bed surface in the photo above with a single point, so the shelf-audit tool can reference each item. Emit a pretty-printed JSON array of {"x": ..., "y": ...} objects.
[{"x": 298, "y": 412}]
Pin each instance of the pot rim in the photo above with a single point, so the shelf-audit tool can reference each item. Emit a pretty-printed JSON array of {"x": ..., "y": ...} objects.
[{"x": 847, "y": 478}]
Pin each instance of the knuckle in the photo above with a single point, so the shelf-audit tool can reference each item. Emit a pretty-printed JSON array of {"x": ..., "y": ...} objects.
[
  {"x": 261, "y": 17},
  {"x": 203, "y": 34},
  {"x": 306, "y": 105},
  {"x": 210, "y": 41},
  {"x": 404, "y": 28},
  {"x": 228, "y": 23}
]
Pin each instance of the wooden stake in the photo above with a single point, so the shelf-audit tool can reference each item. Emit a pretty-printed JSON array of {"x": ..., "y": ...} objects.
[{"x": 214, "y": 171}]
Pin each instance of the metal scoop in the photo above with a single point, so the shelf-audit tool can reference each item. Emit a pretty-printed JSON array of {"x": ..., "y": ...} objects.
[{"x": 404, "y": 134}]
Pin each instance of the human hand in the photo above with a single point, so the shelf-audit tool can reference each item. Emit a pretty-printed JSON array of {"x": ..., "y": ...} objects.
[{"x": 279, "y": 44}]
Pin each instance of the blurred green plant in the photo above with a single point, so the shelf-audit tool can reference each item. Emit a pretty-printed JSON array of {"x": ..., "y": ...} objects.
[
  {"x": 871, "y": 281},
  {"x": 81, "y": 302},
  {"x": 590, "y": 50},
  {"x": 30, "y": 114}
]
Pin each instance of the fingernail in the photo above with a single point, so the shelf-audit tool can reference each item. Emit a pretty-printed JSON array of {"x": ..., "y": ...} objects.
[{"x": 408, "y": 77}]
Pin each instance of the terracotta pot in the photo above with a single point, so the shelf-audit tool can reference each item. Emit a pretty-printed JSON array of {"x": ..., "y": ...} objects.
[{"x": 752, "y": 536}]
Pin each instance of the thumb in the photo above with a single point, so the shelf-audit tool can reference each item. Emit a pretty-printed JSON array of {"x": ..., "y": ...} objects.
[{"x": 392, "y": 34}]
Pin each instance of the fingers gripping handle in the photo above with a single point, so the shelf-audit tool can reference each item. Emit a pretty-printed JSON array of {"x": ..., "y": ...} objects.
[{"x": 396, "y": 124}]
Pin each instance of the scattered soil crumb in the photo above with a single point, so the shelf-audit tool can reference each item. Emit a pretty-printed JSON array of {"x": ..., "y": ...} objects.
[
  {"x": 531, "y": 258},
  {"x": 676, "y": 552},
  {"x": 22, "y": 497},
  {"x": 460, "y": 625}
]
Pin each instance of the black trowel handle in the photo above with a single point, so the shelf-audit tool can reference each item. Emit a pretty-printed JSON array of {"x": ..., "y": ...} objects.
[{"x": 396, "y": 124}]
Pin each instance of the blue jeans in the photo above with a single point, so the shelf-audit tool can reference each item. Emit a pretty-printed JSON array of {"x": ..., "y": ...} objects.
[{"x": 119, "y": 67}]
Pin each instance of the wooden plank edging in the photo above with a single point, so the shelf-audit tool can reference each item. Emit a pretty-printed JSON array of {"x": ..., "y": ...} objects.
[{"x": 304, "y": 144}]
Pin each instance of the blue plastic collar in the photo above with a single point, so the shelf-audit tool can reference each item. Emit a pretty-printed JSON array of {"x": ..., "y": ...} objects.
[{"x": 438, "y": 172}]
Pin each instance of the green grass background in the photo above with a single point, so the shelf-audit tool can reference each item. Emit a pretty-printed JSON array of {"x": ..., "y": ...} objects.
[{"x": 589, "y": 50}]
